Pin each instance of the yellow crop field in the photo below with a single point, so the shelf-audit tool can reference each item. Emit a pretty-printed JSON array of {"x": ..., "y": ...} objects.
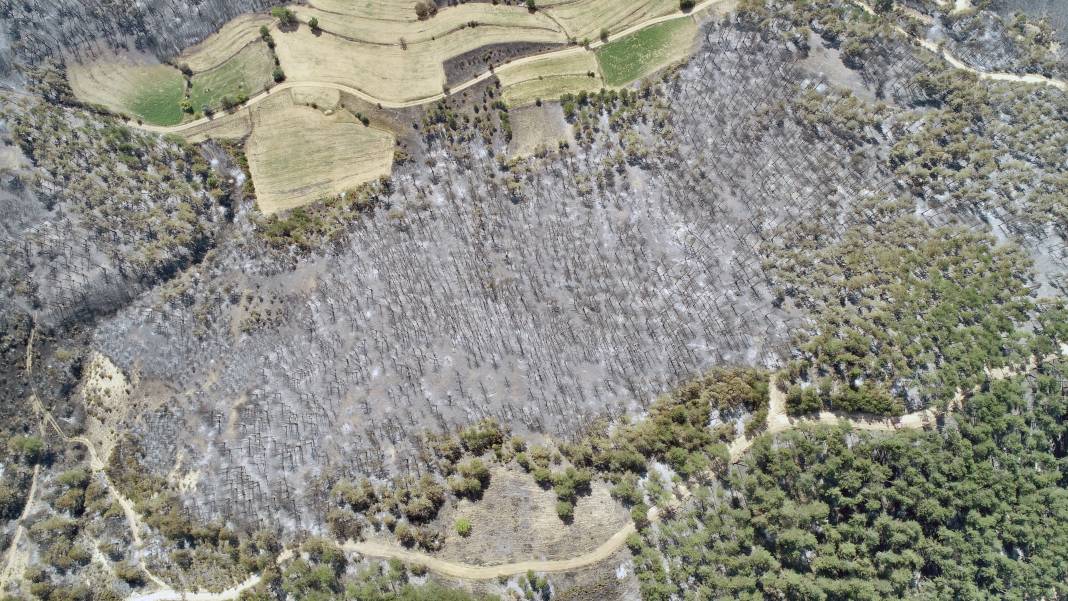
[
  {"x": 382, "y": 10},
  {"x": 298, "y": 155},
  {"x": 226, "y": 127},
  {"x": 584, "y": 19},
  {"x": 226, "y": 43},
  {"x": 389, "y": 71},
  {"x": 526, "y": 26},
  {"x": 550, "y": 77}
]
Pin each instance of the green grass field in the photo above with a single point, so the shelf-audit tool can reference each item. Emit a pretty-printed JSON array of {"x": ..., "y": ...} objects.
[
  {"x": 247, "y": 72},
  {"x": 156, "y": 99},
  {"x": 639, "y": 54}
]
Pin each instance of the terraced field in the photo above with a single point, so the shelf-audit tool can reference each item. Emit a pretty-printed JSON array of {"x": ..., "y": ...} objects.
[
  {"x": 130, "y": 84},
  {"x": 383, "y": 67},
  {"x": 550, "y": 77},
  {"x": 584, "y": 19},
  {"x": 226, "y": 43},
  {"x": 519, "y": 22},
  {"x": 298, "y": 155},
  {"x": 246, "y": 73},
  {"x": 639, "y": 54}
]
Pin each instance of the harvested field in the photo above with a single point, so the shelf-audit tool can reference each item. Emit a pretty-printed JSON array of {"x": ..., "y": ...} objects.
[
  {"x": 538, "y": 128},
  {"x": 642, "y": 53},
  {"x": 298, "y": 155},
  {"x": 320, "y": 98},
  {"x": 232, "y": 126},
  {"x": 585, "y": 18},
  {"x": 382, "y": 71},
  {"x": 384, "y": 10},
  {"x": 246, "y": 73},
  {"x": 383, "y": 68},
  {"x": 228, "y": 42},
  {"x": 516, "y": 520},
  {"x": 452, "y": 24},
  {"x": 550, "y": 77},
  {"x": 131, "y": 84}
]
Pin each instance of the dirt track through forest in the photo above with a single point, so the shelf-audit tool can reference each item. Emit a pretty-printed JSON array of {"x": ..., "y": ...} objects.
[{"x": 777, "y": 421}]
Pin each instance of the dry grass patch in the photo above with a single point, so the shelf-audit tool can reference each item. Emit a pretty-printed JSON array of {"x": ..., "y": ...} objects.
[
  {"x": 298, "y": 155},
  {"x": 106, "y": 398},
  {"x": 521, "y": 23},
  {"x": 316, "y": 97},
  {"x": 383, "y": 10},
  {"x": 367, "y": 55},
  {"x": 226, "y": 43},
  {"x": 244, "y": 74},
  {"x": 585, "y": 18},
  {"x": 516, "y": 520},
  {"x": 550, "y": 77},
  {"x": 538, "y": 128},
  {"x": 131, "y": 84}
]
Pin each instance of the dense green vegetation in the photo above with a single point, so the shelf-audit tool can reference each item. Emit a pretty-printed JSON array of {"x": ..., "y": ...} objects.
[
  {"x": 159, "y": 103},
  {"x": 634, "y": 56},
  {"x": 901, "y": 308},
  {"x": 675, "y": 432},
  {"x": 975, "y": 511}
]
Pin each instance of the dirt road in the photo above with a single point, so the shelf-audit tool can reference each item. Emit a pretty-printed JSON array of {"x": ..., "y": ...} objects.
[{"x": 475, "y": 572}]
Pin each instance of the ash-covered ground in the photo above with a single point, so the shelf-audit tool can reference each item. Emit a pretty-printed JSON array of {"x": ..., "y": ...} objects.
[{"x": 587, "y": 293}]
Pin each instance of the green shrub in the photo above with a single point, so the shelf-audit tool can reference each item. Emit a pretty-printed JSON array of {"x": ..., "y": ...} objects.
[
  {"x": 566, "y": 510},
  {"x": 463, "y": 527}
]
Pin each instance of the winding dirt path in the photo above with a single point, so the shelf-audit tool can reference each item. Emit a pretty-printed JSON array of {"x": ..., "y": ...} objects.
[
  {"x": 778, "y": 421},
  {"x": 468, "y": 571},
  {"x": 12, "y": 551},
  {"x": 957, "y": 63}
]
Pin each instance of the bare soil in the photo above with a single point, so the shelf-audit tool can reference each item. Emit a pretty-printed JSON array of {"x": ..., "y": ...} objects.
[{"x": 516, "y": 520}]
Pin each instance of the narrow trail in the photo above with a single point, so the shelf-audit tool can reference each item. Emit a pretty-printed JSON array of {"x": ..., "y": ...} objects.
[
  {"x": 96, "y": 465},
  {"x": 946, "y": 55},
  {"x": 12, "y": 550},
  {"x": 468, "y": 571}
]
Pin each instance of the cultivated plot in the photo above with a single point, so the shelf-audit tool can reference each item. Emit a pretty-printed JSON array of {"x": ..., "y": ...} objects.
[
  {"x": 584, "y": 19},
  {"x": 226, "y": 43},
  {"x": 639, "y": 54},
  {"x": 298, "y": 155},
  {"x": 384, "y": 10},
  {"x": 245, "y": 74},
  {"x": 393, "y": 71},
  {"x": 131, "y": 84},
  {"x": 549, "y": 77},
  {"x": 467, "y": 20}
]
